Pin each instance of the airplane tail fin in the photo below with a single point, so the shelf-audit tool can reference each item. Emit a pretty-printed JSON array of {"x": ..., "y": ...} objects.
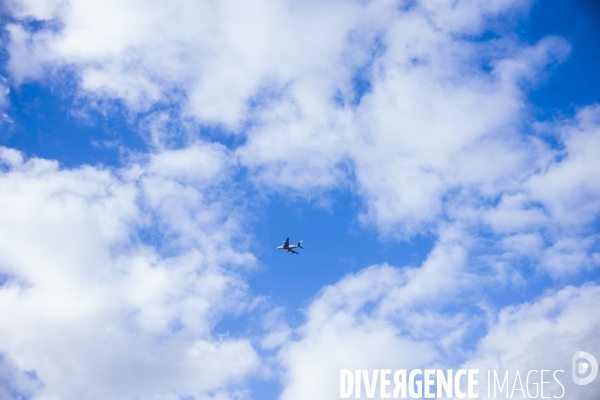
[{"x": 300, "y": 244}]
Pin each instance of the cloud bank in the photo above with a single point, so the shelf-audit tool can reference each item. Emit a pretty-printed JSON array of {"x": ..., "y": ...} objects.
[{"x": 87, "y": 301}]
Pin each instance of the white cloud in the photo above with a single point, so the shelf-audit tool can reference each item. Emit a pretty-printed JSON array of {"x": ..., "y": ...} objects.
[
  {"x": 340, "y": 332},
  {"x": 14, "y": 382},
  {"x": 568, "y": 188},
  {"x": 544, "y": 334},
  {"x": 558, "y": 203},
  {"x": 211, "y": 57},
  {"x": 433, "y": 123},
  {"x": 443, "y": 113},
  {"x": 359, "y": 324},
  {"x": 4, "y": 100},
  {"x": 97, "y": 312},
  {"x": 385, "y": 317},
  {"x": 4, "y": 91}
]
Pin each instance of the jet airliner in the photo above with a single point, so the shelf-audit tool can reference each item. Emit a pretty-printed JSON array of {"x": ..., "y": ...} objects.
[{"x": 286, "y": 246}]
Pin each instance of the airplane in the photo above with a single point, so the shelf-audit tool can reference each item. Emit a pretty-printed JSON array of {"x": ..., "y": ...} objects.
[{"x": 286, "y": 246}]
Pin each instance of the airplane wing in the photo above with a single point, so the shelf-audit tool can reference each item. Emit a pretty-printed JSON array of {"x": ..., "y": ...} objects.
[
  {"x": 286, "y": 243},
  {"x": 292, "y": 251}
]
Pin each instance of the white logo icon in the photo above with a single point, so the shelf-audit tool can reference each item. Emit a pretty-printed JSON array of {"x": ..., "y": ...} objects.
[{"x": 581, "y": 367}]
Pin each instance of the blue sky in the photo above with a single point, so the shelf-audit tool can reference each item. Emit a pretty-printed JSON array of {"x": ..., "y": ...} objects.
[{"x": 439, "y": 160}]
